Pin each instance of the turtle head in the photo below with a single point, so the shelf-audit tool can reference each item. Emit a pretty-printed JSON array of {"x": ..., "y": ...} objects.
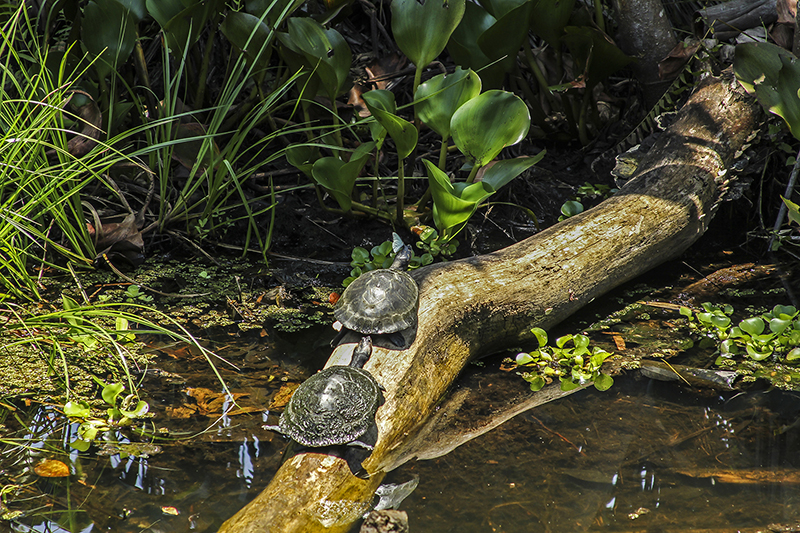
[
  {"x": 362, "y": 352},
  {"x": 403, "y": 258}
]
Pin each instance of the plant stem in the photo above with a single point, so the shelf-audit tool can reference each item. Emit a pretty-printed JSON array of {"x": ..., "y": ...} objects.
[
  {"x": 401, "y": 189},
  {"x": 473, "y": 173}
]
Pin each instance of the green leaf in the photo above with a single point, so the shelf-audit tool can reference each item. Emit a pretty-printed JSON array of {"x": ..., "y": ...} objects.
[
  {"x": 302, "y": 157},
  {"x": 603, "y": 382},
  {"x": 501, "y": 172},
  {"x": 524, "y": 358},
  {"x": 80, "y": 445},
  {"x": 439, "y": 97},
  {"x": 570, "y": 208},
  {"x": 463, "y": 44},
  {"x": 793, "y": 355},
  {"x": 450, "y": 211},
  {"x": 758, "y": 64},
  {"x": 779, "y": 325},
  {"x": 111, "y": 392},
  {"x": 182, "y": 20},
  {"x": 549, "y": 18},
  {"x": 251, "y": 36},
  {"x": 541, "y": 336},
  {"x": 753, "y": 326},
  {"x": 139, "y": 410},
  {"x": 720, "y": 321},
  {"x": 758, "y": 355},
  {"x": 79, "y": 409},
  {"x": 421, "y": 30},
  {"x": 381, "y": 104},
  {"x": 325, "y": 50},
  {"x": 277, "y": 10},
  {"x": 338, "y": 177},
  {"x": 685, "y": 311},
  {"x": 505, "y": 36},
  {"x": 108, "y": 31},
  {"x": 537, "y": 382},
  {"x": 793, "y": 210},
  {"x": 485, "y": 125},
  {"x": 567, "y": 384}
]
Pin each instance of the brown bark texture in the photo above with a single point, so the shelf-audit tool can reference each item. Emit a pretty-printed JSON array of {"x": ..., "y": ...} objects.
[{"x": 487, "y": 303}]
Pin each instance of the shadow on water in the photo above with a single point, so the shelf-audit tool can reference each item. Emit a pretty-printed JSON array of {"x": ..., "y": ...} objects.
[{"x": 642, "y": 456}]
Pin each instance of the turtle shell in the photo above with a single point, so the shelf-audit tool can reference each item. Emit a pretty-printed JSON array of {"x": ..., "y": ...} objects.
[
  {"x": 379, "y": 301},
  {"x": 334, "y": 406}
]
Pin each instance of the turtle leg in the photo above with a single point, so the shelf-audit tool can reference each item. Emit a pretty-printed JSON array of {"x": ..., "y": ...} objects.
[
  {"x": 397, "y": 339},
  {"x": 339, "y": 336}
]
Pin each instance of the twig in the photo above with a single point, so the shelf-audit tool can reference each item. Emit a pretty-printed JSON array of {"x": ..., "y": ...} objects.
[{"x": 783, "y": 209}]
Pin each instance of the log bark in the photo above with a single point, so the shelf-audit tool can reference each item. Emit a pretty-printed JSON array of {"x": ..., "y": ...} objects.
[{"x": 486, "y": 303}]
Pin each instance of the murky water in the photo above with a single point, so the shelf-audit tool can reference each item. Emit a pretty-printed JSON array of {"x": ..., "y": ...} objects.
[{"x": 643, "y": 456}]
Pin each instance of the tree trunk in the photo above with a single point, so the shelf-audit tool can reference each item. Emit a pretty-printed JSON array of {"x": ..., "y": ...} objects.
[{"x": 481, "y": 304}]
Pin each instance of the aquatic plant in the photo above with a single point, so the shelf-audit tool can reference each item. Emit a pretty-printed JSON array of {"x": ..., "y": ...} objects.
[
  {"x": 774, "y": 334},
  {"x": 571, "y": 360}
]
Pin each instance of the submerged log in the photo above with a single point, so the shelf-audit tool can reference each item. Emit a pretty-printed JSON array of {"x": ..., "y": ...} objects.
[{"x": 476, "y": 305}]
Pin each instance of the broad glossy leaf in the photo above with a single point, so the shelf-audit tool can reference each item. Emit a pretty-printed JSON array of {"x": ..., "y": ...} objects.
[
  {"x": 382, "y": 106},
  {"x": 450, "y": 211},
  {"x": 778, "y": 325},
  {"x": 182, "y": 21},
  {"x": 758, "y": 64},
  {"x": 138, "y": 8},
  {"x": 504, "y": 37},
  {"x": 537, "y": 382},
  {"x": 784, "y": 311},
  {"x": 603, "y": 382},
  {"x": 500, "y": 8},
  {"x": 338, "y": 177},
  {"x": 549, "y": 18},
  {"x": 485, "y": 125},
  {"x": 421, "y": 30},
  {"x": 793, "y": 210},
  {"x": 541, "y": 336},
  {"x": 325, "y": 50},
  {"x": 501, "y": 172},
  {"x": 251, "y": 36},
  {"x": 79, "y": 409},
  {"x": 108, "y": 31},
  {"x": 111, "y": 392},
  {"x": 758, "y": 355},
  {"x": 302, "y": 157},
  {"x": 782, "y": 99},
  {"x": 463, "y": 44},
  {"x": 570, "y": 208},
  {"x": 595, "y": 54},
  {"x": 753, "y": 326},
  {"x": 440, "y": 97},
  {"x": 793, "y": 355}
]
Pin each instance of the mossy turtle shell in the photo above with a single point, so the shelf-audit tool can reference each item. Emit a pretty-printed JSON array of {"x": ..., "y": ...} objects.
[
  {"x": 335, "y": 406},
  {"x": 379, "y": 301}
]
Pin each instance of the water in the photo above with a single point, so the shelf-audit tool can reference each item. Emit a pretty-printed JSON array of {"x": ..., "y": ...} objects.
[{"x": 644, "y": 456}]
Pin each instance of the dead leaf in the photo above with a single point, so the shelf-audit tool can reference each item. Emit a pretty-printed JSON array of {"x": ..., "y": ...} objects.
[
  {"x": 282, "y": 397},
  {"x": 676, "y": 60},
  {"x": 51, "y": 468}
]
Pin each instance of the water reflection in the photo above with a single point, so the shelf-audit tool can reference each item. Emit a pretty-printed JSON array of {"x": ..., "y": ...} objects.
[{"x": 643, "y": 456}]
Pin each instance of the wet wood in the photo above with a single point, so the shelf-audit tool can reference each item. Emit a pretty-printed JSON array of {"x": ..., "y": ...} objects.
[{"x": 481, "y": 304}]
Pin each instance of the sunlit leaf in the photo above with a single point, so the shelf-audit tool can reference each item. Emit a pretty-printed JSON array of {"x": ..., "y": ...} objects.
[
  {"x": 541, "y": 336},
  {"x": 440, "y": 97},
  {"x": 753, "y": 326},
  {"x": 603, "y": 382},
  {"x": 111, "y": 392},
  {"x": 793, "y": 210},
  {"x": 79, "y": 409},
  {"x": 325, "y": 50},
  {"x": 537, "y": 382},
  {"x": 382, "y": 106},
  {"x": 485, "y": 125}
]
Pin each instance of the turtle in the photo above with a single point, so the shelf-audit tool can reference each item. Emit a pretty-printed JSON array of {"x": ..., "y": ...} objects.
[
  {"x": 335, "y": 406},
  {"x": 382, "y": 301}
]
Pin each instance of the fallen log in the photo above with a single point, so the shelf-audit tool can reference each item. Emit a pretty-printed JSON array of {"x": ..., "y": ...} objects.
[{"x": 486, "y": 303}]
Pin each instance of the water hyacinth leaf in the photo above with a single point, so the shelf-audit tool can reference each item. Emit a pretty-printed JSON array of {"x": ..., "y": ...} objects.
[
  {"x": 524, "y": 358},
  {"x": 778, "y": 325},
  {"x": 758, "y": 355},
  {"x": 753, "y": 326},
  {"x": 541, "y": 336},
  {"x": 603, "y": 382},
  {"x": 250, "y": 35},
  {"x": 786, "y": 312},
  {"x": 382, "y": 106},
  {"x": 567, "y": 384},
  {"x": 139, "y": 410},
  {"x": 720, "y": 322},
  {"x": 182, "y": 20},
  {"x": 596, "y": 55},
  {"x": 537, "y": 382},
  {"x": 302, "y": 157},
  {"x": 485, "y": 125},
  {"x": 581, "y": 344},
  {"x": 440, "y": 97},
  {"x": 108, "y": 32},
  {"x": 338, "y": 178},
  {"x": 79, "y": 409},
  {"x": 422, "y": 30},
  {"x": 111, "y": 392},
  {"x": 793, "y": 355},
  {"x": 570, "y": 208},
  {"x": 325, "y": 50},
  {"x": 549, "y": 18}
]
